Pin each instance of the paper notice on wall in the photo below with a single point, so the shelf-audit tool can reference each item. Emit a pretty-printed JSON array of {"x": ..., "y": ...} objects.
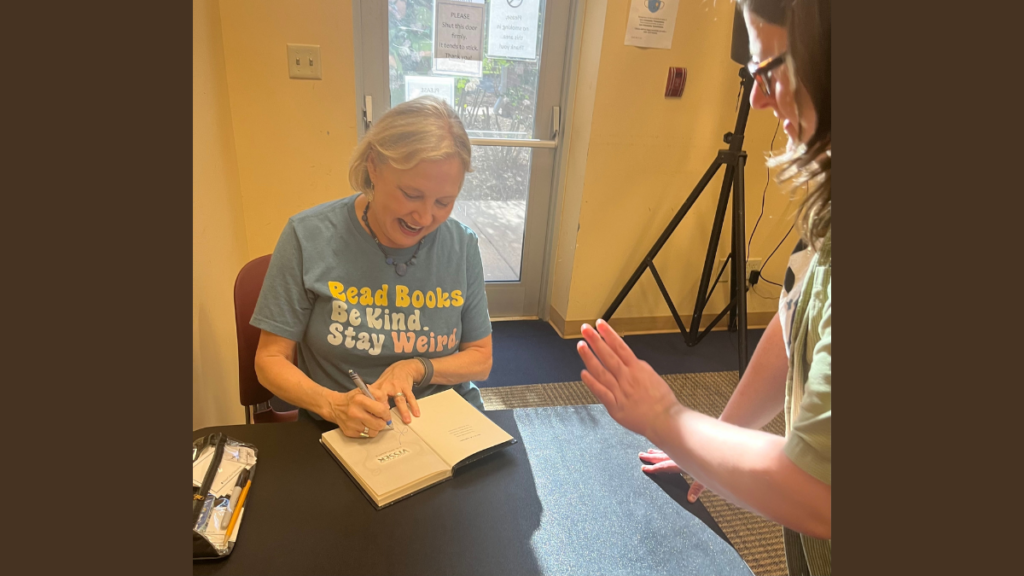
[
  {"x": 512, "y": 29},
  {"x": 454, "y": 66},
  {"x": 459, "y": 31},
  {"x": 443, "y": 88},
  {"x": 651, "y": 23}
]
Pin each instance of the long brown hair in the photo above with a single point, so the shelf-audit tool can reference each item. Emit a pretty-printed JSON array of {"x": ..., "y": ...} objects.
[
  {"x": 809, "y": 29},
  {"x": 810, "y": 46}
]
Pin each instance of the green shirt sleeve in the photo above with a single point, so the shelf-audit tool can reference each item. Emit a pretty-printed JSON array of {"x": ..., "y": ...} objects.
[{"x": 809, "y": 444}]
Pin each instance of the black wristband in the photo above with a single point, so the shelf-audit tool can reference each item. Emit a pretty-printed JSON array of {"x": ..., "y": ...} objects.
[{"x": 428, "y": 371}]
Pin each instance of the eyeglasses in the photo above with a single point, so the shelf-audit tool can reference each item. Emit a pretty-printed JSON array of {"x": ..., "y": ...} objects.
[{"x": 761, "y": 71}]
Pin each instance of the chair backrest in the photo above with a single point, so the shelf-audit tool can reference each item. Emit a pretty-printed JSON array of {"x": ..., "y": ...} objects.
[{"x": 247, "y": 290}]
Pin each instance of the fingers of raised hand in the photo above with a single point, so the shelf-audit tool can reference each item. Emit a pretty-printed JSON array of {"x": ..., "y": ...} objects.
[
  {"x": 598, "y": 389},
  {"x": 601, "y": 350},
  {"x": 594, "y": 366},
  {"x": 616, "y": 343}
]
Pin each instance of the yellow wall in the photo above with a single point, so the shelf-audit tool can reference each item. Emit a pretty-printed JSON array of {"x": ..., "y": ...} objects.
[
  {"x": 218, "y": 230},
  {"x": 266, "y": 147},
  {"x": 293, "y": 137},
  {"x": 644, "y": 155}
]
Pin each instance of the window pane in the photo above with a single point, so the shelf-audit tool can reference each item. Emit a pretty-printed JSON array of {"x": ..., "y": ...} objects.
[
  {"x": 493, "y": 204},
  {"x": 496, "y": 98}
]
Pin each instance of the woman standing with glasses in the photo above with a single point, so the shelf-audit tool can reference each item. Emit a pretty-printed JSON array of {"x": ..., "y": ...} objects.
[{"x": 788, "y": 480}]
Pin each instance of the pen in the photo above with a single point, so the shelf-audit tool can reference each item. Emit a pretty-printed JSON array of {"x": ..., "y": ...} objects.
[
  {"x": 362, "y": 386},
  {"x": 243, "y": 477},
  {"x": 238, "y": 508}
]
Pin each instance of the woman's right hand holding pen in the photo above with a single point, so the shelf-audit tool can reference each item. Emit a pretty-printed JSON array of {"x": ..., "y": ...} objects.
[{"x": 352, "y": 411}]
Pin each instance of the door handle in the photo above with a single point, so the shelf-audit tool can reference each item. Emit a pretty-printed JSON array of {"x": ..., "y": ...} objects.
[{"x": 556, "y": 119}]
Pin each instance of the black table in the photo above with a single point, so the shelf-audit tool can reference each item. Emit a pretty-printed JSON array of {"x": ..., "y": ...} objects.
[{"x": 568, "y": 498}]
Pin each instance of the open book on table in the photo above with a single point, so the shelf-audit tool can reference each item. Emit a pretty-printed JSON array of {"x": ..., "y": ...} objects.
[{"x": 401, "y": 461}]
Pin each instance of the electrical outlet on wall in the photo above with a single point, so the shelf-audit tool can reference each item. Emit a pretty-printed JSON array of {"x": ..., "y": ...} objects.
[
  {"x": 752, "y": 264},
  {"x": 304, "y": 61}
]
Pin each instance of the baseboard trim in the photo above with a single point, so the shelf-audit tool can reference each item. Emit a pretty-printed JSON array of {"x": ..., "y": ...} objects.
[
  {"x": 649, "y": 324},
  {"x": 556, "y": 321}
]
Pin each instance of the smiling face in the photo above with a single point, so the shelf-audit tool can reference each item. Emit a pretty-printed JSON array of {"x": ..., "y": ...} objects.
[
  {"x": 409, "y": 204},
  {"x": 791, "y": 104}
]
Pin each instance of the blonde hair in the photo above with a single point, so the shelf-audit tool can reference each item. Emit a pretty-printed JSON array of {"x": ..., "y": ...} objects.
[{"x": 425, "y": 128}]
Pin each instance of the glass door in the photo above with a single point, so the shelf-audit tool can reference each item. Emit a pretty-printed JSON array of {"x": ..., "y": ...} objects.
[{"x": 509, "y": 102}]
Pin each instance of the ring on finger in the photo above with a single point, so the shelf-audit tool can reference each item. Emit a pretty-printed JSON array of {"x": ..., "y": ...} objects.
[
  {"x": 400, "y": 395},
  {"x": 365, "y": 433}
]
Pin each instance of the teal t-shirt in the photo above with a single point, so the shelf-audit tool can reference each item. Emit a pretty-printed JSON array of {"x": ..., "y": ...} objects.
[{"x": 329, "y": 289}]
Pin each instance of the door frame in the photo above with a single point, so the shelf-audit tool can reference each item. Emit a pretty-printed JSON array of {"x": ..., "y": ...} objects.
[{"x": 563, "y": 27}]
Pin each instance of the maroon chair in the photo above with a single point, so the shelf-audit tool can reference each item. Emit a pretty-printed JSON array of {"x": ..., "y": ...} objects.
[{"x": 251, "y": 393}]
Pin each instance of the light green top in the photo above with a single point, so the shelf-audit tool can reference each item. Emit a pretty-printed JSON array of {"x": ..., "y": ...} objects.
[
  {"x": 808, "y": 408},
  {"x": 809, "y": 383}
]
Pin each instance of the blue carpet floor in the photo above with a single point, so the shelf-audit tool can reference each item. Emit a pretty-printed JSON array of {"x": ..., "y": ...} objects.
[{"x": 531, "y": 352}]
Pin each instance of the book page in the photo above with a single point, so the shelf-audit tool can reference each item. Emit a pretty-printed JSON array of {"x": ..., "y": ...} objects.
[
  {"x": 454, "y": 428},
  {"x": 389, "y": 461}
]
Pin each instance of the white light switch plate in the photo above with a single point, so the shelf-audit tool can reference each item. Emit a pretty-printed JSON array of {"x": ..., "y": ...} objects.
[{"x": 304, "y": 61}]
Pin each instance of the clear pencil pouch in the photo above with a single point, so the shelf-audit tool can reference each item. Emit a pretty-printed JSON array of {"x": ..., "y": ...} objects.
[{"x": 222, "y": 475}]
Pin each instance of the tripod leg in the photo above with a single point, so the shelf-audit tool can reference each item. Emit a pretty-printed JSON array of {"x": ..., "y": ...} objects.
[
  {"x": 739, "y": 252},
  {"x": 697, "y": 190},
  {"x": 709, "y": 259},
  {"x": 732, "y": 276},
  {"x": 668, "y": 300}
]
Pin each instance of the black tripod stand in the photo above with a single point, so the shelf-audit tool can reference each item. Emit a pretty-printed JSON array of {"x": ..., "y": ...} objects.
[{"x": 734, "y": 159}]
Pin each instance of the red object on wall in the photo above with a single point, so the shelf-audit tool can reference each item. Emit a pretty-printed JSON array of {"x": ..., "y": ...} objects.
[{"x": 676, "y": 82}]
